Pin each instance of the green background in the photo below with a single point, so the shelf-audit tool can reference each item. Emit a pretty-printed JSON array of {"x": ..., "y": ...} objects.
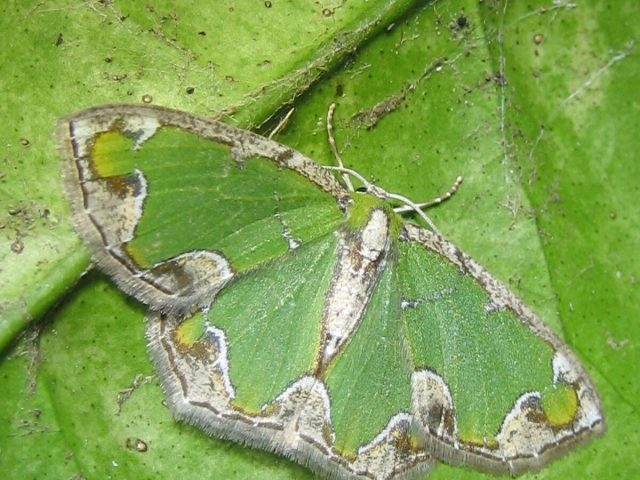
[{"x": 534, "y": 103}]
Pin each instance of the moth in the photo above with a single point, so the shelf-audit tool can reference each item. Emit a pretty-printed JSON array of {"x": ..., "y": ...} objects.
[{"x": 295, "y": 315}]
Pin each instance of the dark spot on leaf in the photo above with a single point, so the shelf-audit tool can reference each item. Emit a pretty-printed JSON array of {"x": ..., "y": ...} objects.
[
  {"x": 17, "y": 246},
  {"x": 136, "y": 444}
]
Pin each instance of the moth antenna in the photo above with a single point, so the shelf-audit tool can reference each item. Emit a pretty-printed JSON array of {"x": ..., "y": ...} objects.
[
  {"x": 436, "y": 201},
  {"x": 375, "y": 190},
  {"x": 334, "y": 148},
  {"x": 409, "y": 205},
  {"x": 384, "y": 195},
  {"x": 281, "y": 124}
]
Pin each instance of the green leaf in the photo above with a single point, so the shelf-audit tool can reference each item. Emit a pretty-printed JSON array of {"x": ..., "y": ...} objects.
[{"x": 533, "y": 103}]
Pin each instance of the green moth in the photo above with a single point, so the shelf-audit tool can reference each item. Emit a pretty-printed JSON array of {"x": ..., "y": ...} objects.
[{"x": 293, "y": 315}]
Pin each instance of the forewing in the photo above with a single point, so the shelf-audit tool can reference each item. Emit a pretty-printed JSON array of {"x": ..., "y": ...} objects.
[
  {"x": 172, "y": 206},
  {"x": 492, "y": 386}
]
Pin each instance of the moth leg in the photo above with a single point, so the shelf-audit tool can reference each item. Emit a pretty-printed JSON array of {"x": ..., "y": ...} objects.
[{"x": 281, "y": 124}]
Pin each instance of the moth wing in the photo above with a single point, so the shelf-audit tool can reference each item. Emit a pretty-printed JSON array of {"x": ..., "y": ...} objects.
[
  {"x": 172, "y": 206},
  {"x": 493, "y": 387},
  {"x": 245, "y": 370}
]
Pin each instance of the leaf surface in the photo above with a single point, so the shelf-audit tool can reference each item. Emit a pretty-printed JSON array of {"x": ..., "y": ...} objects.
[{"x": 533, "y": 103}]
